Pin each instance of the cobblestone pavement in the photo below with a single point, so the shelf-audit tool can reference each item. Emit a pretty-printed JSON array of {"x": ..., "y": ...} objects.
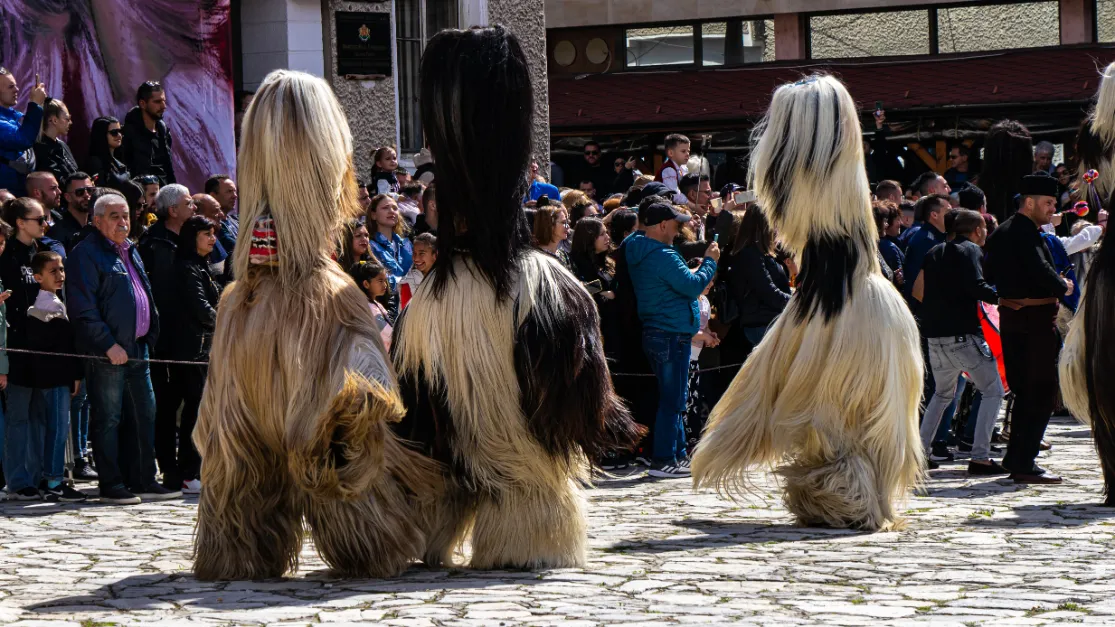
[{"x": 974, "y": 552}]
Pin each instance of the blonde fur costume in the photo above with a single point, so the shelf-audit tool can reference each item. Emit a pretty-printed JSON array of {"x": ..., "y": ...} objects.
[
  {"x": 499, "y": 353},
  {"x": 294, "y": 423},
  {"x": 830, "y": 396},
  {"x": 1095, "y": 144}
]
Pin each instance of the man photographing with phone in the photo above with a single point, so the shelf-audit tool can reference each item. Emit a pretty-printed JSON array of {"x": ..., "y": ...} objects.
[{"x": 18, "y": 132}]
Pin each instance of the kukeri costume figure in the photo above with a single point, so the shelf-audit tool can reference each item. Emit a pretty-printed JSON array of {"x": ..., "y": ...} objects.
[
  {"x": 294, "y": 423},
  {"x": 830, "y": 396},
  {"x": 1095, "y": 142},
  {"x": 499, "y": 352},
  {"x": 1087, "y": 362}
]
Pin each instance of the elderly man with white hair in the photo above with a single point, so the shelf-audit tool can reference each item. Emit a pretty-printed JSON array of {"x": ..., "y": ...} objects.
[
  {"x": 111, "y": 307},
  {"x": 158, "y": 249}
]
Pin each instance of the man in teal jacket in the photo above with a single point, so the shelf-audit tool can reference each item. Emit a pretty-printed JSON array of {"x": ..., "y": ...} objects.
[{"x": 667, "y": 291}]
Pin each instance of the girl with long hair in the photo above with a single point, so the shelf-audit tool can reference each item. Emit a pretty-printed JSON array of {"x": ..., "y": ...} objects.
[
  {"x": 355, "y": 244},
  {"x": 385, "y": 161},
  {"x": 551, "y": 230},
  {"x": 105, "y": 138},
  {"x": 387, "y": 229}
]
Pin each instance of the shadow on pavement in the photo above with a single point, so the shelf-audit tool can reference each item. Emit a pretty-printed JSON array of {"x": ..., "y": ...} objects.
[
  {"x": 1047, "y": 516},
  {"x": 159, "y": 591},
  {"x": 719, "y": 533}
]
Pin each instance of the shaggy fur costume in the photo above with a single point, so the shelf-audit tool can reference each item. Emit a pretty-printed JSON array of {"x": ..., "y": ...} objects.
[
  {"x": 1096, "y": 141},
  {"x": 830, "y": 396},
  {"x": 513, "y": 397},
  {"x": 1087, "y": 362},
  {"x": 294, "y": 424}
]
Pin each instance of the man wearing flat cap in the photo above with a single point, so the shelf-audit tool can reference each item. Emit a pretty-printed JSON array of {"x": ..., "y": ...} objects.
[
  {"x": 1021, "y": 268},
  {"x": 666, "y": 292}
]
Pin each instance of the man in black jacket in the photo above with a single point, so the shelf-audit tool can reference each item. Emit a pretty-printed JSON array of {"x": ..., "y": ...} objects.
[
  {"x": 147, "y": 143},
  {"x": 158, "y": 249},
  {"x": 950, "y": 286},
  {"x": 74, "y": 215},
  {"x": 1021, "y": 267}
]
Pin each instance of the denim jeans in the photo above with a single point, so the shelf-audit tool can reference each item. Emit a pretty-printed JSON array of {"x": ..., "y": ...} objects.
[
  {"x": 79, "y": 422},
  {"x": 116, "y": 394},
  {"x": 35, "y": 435},
  {"x": 942, "y": 436},
  {"x": 668, "y": 354},
  {"x": 950, "y": 356}
]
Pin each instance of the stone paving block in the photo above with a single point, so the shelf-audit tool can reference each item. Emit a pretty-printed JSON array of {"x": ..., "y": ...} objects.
[{"x": 974, "y": 552}]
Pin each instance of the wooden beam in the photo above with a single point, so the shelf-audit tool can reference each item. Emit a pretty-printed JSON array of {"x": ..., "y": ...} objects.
[
  {"x": 790, "y": 36},
  {"x": 924, "y": 155}
]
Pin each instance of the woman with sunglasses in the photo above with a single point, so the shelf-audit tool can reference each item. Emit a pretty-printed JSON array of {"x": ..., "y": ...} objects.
[{"x": 103, "y": 165}]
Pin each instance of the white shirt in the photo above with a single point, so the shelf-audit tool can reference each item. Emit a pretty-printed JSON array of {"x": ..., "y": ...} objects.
[{"x": 1083, "y": 240}]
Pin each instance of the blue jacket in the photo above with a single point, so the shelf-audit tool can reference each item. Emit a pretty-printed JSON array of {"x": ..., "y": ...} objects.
[
  {"x": 925, "y": 238},
  {"x": 396, "y": 255},
  {"x": 17, "y": 134},
  {"x": 1063, "y": 264},
  {"x": 665, "y": 288},
  {"x": 100, "y": 301}
]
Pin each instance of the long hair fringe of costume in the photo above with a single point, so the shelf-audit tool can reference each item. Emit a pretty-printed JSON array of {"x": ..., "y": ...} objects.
[
  {"x": 511, "y": 417},
  {"x": 295, "y": 418},
  {"x": 1097, "y": 151},
  {"x": 830, "y": 396},
  {"x": 1087, "y": 363}
]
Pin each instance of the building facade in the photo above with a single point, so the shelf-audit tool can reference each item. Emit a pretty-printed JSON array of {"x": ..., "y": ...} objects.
[
  {"x": 626, "y": 72},
  {"x": 382, "y": 108}
]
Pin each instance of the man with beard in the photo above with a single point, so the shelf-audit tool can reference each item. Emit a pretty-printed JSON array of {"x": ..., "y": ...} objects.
[
  {"x": 1021, "y": 267},
  {"x": 43, "y": 187},
  {"x": 75, "y": 215},
  {"x": 147, "y": 141}
]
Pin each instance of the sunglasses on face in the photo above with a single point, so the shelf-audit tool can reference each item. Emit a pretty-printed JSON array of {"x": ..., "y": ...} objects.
[
  {"x": 84, "y": 191},
  {"x": 116, "y": 132},
  {"x": 41, "y": 219},
  {"x": 592, "y": 153},
  {"x": 619, "y": 164}
]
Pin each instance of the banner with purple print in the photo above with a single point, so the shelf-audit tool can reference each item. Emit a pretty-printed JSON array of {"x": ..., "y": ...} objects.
[{"x": 94, "y": 54}]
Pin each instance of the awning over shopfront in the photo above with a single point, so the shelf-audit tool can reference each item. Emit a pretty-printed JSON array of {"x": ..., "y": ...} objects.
[{"x": 989, "y": 84}]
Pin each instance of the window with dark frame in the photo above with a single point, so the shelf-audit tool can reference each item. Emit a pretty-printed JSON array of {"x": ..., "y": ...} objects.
[
  {"x": 712, "y": 43},
  {"x": 416, "y": 21},
  {"x": 945, "y": 29}
]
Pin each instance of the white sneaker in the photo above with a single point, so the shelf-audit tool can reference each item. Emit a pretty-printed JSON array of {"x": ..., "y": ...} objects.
[
  {"x": 668, "y": 471},
  {"x": 193, "y": 486}
]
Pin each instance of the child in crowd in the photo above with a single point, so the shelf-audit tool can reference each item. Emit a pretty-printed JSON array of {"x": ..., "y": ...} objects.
[
  {"x": 696, "y": 410},
  {"x": 677, "y": 155},
  {"x": 371, "y": 276},
  {"x": 384, "y": 180},
  {"x": 425, "y": 254},
  {"x": 54, "y": 381}
]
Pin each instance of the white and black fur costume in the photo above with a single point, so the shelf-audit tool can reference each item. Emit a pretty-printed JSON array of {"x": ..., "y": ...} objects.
[
  {"x": 499, "y": 354},
  {"x": 830, "y": 397}
]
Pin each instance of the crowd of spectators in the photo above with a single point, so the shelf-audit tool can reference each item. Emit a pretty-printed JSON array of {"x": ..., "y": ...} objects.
[{"x": 109, "y": 257}]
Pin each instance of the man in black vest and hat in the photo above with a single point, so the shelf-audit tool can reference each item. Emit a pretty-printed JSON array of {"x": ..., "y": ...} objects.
[{"x": 1021, "y": 268}]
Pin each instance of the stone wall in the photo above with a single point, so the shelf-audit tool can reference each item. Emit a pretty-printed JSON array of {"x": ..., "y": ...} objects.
[
  {"x": 526, "y": 18},
  {"x": 370, "y": 105},
  {"x": 1105, "y": 20}
]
